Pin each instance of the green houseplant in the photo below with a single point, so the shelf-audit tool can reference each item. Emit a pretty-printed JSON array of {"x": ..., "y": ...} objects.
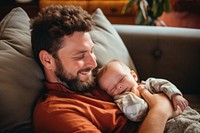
[{"x": 148, "y": 11}]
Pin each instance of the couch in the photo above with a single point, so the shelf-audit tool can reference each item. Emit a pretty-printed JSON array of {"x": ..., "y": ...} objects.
[{"x": 171, "y": 53}]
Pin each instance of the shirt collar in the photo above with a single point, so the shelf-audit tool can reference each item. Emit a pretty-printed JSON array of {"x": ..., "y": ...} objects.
[
  {"x": 57, "y": 87},
  {"x": 96, "y": 93}
]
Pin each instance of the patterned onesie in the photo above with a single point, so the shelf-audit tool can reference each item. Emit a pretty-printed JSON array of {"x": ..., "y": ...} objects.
[{"x": 134, "y": 107}]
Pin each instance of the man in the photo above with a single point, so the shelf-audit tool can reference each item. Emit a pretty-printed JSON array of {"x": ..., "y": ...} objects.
[{"x": 63, "y": 48}]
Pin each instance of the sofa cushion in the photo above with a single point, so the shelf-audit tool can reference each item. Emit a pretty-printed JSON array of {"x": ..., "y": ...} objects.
[
  {"x": 108, "y": 44},
  {"x": 20, "y": 76}
]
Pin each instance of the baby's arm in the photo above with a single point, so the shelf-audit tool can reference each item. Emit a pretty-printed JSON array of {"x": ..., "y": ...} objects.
[
  {"x": 179, "y": 100},
  {"x": 161, "y": 85}
]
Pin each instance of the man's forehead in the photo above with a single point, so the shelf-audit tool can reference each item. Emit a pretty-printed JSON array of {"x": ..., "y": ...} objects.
[{"x": 78, "y": 41}]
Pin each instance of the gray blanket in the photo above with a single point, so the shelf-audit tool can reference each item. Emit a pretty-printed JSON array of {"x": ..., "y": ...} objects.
[{"x": 187, "y": 122}]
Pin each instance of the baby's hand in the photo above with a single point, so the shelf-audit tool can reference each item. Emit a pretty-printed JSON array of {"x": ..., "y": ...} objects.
[{"x": 180, "y": 101}]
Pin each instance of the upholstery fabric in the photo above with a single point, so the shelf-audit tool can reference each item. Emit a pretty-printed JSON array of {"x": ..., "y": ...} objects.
[
  {"x": 165, "y": 52},
  {"x": 108, "y": 44},
  {"x": 20, "y": 76}
]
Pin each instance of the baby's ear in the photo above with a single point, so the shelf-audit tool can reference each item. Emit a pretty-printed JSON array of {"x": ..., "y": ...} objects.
[{"x": 134, "y": 75}]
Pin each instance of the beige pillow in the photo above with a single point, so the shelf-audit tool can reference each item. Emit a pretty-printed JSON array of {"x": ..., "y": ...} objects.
[
  {"x": 108, "y": 44},
  {"x": 20, "y": 76}
]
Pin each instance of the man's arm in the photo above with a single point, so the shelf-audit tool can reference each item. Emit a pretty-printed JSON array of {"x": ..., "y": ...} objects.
[{"x": 160, "y": 110}]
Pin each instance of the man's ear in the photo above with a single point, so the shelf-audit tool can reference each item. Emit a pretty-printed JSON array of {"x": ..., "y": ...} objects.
[
  {"x": 46, "y": 59},
  {"x": 134, "y": 75}
]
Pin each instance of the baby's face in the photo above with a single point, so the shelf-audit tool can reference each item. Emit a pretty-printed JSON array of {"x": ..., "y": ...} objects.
[{"x": 117, "y": 79}]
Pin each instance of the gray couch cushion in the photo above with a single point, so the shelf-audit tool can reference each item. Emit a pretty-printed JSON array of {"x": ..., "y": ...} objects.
[
  {"x": 108, "y": 44},
  {"x": 20, "y": 76}
]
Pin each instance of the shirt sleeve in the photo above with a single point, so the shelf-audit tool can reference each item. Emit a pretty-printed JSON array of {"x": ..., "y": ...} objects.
[{"x": 156, "y": 85}]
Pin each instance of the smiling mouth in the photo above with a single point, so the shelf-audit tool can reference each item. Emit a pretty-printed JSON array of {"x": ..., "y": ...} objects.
[
  {"x": 126, "y": 90},
  {"x": 86, "y": 72}
]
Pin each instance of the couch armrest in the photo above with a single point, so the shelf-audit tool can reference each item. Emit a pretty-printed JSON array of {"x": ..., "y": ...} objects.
[{"x": 163, "y": 52}]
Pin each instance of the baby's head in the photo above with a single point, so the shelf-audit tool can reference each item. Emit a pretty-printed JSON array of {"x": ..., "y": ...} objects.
[{"x": 115, "y": 78}]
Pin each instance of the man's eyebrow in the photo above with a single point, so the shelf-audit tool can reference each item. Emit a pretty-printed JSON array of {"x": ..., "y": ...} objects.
[
  {"x": 83, "y": 51},
  {"x": 79, "y": 52}
]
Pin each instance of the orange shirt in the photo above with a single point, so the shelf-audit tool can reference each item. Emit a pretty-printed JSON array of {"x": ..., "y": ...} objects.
[{"x": 61, "y": 110}]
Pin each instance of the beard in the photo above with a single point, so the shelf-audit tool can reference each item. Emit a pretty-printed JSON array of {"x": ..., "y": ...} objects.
[{"x": 73, "y": 83}]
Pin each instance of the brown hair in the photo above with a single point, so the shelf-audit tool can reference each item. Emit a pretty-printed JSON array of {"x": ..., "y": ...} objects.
[{"x": 53, "y": 23}]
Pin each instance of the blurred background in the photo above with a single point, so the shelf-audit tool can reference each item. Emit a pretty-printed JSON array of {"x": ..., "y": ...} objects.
[{"x": 183, "y": 13}]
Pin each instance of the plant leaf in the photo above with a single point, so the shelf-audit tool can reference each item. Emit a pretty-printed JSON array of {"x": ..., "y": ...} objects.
[
  {"x": 148, "y": 13},
  {"x": 157, "y": 8},
  {"x": 140, "y": 19},
  {"x": 127, "y": 6},
  {"x": 166, "y": 5},
  {"x": 144, "y": 7}
]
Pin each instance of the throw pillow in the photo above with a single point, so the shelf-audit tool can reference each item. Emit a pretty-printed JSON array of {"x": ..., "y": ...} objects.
[
  {"x": 108, "y": 43},
  {"x": 20, "y": 78}
]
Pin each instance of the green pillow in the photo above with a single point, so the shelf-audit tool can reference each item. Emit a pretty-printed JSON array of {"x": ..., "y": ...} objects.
[
  {"x": 108, "y": 44},
  {"x": 20, "y": 76}
]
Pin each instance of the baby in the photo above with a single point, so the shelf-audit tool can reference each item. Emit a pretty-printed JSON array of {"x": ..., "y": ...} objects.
[{"x": 121, "y": 83}]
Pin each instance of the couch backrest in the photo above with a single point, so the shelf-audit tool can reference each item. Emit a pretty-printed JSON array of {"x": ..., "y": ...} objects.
[{"x": 171, "y": 53}]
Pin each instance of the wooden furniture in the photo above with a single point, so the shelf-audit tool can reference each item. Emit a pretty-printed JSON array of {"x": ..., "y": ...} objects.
[{"x": 112, "y": 8}]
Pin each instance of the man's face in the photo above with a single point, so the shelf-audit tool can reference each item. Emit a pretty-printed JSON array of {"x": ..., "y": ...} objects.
[{"x": 75, "y": 62}]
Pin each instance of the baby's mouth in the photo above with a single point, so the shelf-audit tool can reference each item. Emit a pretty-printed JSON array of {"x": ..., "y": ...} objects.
[{"x": 125, "y": 90}]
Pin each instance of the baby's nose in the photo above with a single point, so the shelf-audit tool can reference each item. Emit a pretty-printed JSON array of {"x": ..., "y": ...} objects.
[{"x": 119, "y": 86}]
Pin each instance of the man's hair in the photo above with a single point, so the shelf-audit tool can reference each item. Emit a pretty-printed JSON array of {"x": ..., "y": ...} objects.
[{"x": 53, "y": 23}]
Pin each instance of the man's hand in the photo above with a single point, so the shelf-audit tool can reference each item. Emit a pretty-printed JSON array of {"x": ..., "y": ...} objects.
[
  {"x": 160, "y": 110},
  {"x": 160, "y": 102}
]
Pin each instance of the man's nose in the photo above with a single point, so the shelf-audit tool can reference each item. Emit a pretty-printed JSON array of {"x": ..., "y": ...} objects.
[{"x": 91, "y": 60}]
